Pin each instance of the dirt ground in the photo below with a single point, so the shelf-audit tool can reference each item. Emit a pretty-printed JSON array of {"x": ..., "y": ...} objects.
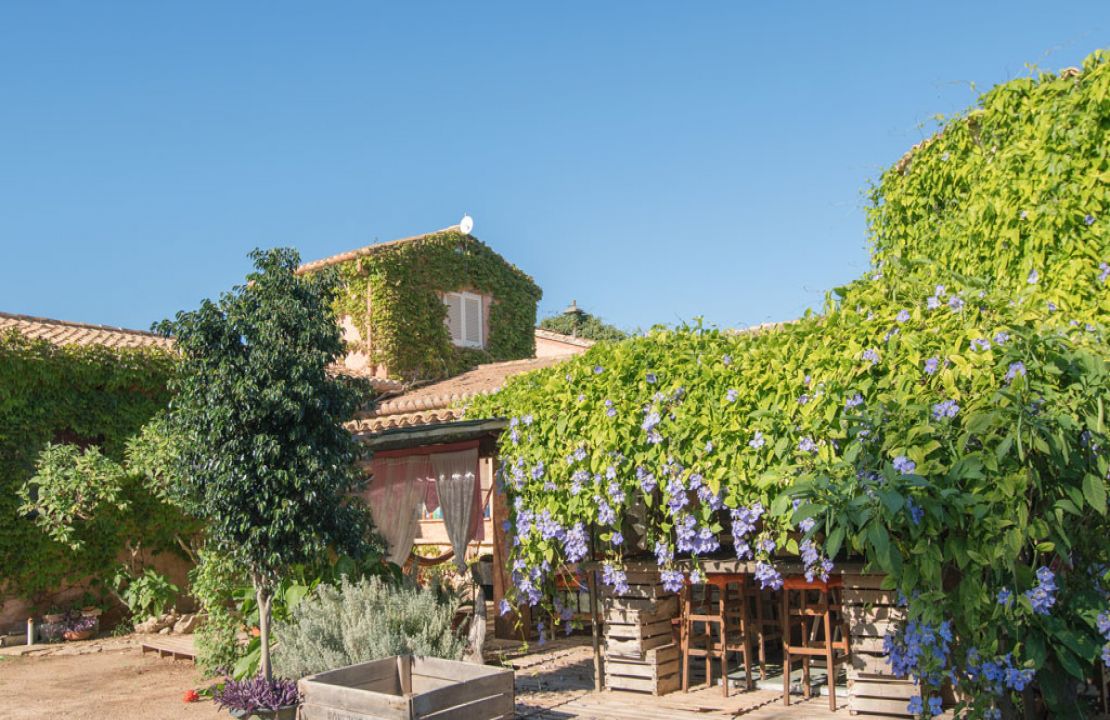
[
  {"x": 110, "y": 678},
  {"x": 98, "y": 679}
]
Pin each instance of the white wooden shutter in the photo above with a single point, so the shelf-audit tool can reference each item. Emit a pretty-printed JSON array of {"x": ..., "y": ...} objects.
[
  {"x": 453, "y": 301},
  {"x": 472, "y": 317}
]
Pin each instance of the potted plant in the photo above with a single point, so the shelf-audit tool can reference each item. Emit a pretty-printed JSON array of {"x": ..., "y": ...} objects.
[
  {"x": 54, "y": 615},
  {"x": 259, "y": 698},
  {"x": 79, "y": 627}
]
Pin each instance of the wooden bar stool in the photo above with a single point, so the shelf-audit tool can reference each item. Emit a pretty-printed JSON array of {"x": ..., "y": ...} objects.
[
  {"x": 763, "y": 609},
  {"x": 729, "y": 613},
  {"x": 814, "y": 608}
]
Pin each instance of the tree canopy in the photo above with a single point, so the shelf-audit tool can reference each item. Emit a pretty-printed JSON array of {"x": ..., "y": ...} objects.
[
  {"x": 264, "y": 458},
  {"x": 582, "y": 324},
  {"x": 943, "y": 417}
]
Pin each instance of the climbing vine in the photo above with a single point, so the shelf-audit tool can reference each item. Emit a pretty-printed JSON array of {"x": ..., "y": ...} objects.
[
  {"x": 83, "y": 395},
  {"x": 393, "y": 296},
  {"x": 943, "y": 418}
]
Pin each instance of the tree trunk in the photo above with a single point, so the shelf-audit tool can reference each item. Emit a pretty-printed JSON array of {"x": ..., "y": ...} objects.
[{"x": 265, "y": 599}]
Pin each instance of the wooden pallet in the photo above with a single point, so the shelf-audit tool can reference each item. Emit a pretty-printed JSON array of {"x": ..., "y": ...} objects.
[
  {"x": 872, "y": 613},
  {"x": 655, "y": 671},
  {"x": 640, "y": 652},
  {"x": 180, "y": 646}
]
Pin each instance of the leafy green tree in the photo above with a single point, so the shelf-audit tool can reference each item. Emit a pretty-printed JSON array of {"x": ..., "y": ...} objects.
[
  {"x": 263, "y": 456},
  {"x": 582, "y": 324}
]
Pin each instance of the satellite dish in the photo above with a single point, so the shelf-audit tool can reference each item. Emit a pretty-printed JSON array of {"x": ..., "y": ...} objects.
[{"x": 466, "y": 224}]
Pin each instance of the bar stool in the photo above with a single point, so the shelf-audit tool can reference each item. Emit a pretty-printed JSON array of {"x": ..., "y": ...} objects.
[
  {"x": 763, "y": 609},
  {"x": 730, "y": 617},
  {"x": 817, "y": 603}
]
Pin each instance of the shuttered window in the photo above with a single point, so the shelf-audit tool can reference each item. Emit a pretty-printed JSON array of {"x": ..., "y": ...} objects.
[{"x": 464, "y": 319}]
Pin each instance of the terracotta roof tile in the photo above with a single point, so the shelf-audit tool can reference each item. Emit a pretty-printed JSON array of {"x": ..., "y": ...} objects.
[
  {"x": 438, "y": 402},
  {"x": 61, "y": 332},
  {"x": 560, "y": 337}
]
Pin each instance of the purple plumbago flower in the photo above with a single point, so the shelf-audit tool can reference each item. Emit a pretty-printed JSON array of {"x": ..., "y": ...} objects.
[
  {"x": 528, "y": 419},
  {"x": 598, "y": 369},
  {"x": 1004, "y": 596},
  {"x": 581, "y": 397},
  {"x": 768, "y": 576},
  {"x": 1016, "y": 368},
  {"x": 646, "y": 479},
  {"x": 696, "y": 577},
  {"x": 917, "y": 514},
  {"x": 980, "y": 344},
  {"x": 537, "y": 470},
  {"x": 504, "y": 608},
  {"x": 731, "y": 395},
  {"x": 1034, "y": 276},
  {"x": 673, "y": 580},
  {"x": 932, "y": 302},
  {"x": 609, "y": 409},
  {"x": 904, "y": 465},
  {"x": 1105, "y": 272},
  {"x": 854, "y": 401},
  {"x": 650, "y": 377},
  {"x": 663, "y": 553},
  {"x": 1001, "y": 338},
  {"x": 940, "y": 291},
  {"x": 605, "y": 514},
  {"x": 802, "y": 400},
  {"x": 1088, "y": 219},
  {"x": 931, "y": 365},
  {"x": 1051, "y": 306},
  {"x": 807, "y": 445},
  {"x": 757, "y": 440},
  {"x": 726, "y": 360},
  {"x": 766, "y": 545},
  {"x": 651, "y": 419},
  {"x": 615, "y": 578},
  {"x": 945, "y": 409},
  {"x": 616, "y": 494},
  {"x": 709, "y": 447},
  {"x": 956, "y": 303},
  {"x": 616, "y": 538},
  {"x": 575, "y": 545},
  {"x": 871, "y": 355},
  {"x": 902, "y": 316},
  {"x": 1043, "y": 596}
]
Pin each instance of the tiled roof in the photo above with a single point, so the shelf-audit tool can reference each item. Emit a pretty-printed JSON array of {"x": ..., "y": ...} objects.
[
  {"x": 437, "y": 403},
  {"x": 560, "y": 337},
  {"x": 368, "y": 250},
  {"x": 380, "y": 384},
  {"x": 61, "y": 332}
]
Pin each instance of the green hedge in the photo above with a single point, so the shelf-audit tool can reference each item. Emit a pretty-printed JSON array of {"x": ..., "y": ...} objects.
[{"x": 70, "y": 394}]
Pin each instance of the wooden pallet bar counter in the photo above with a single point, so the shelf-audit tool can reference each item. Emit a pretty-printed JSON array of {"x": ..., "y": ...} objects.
[
  {"x": 640, "y": 649},
  {"x": 635, "y": 647}
]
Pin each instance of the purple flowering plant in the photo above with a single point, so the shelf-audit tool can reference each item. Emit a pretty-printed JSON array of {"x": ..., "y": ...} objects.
[{"x": 1006, "y": 486}]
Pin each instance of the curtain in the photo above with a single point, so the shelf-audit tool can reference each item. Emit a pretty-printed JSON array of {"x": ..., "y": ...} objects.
[
  {"x": 394, "y": 495},
  {"x": 459, "y": 495}
]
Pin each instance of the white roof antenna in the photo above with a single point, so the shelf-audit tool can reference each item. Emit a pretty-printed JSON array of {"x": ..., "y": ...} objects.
[{"x": 466, "y": 224}]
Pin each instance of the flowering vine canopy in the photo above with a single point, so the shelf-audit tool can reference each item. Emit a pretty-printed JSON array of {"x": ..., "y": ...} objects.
[{"x": 942, "y": 419}]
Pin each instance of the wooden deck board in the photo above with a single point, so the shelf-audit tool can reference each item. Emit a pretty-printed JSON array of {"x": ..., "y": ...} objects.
[{"x": 175, "y": 646}]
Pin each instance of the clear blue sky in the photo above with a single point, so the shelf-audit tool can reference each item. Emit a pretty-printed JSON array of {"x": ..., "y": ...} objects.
[{"x": 654, "y": 161}]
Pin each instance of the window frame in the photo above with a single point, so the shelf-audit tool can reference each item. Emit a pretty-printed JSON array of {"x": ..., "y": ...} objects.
[{"x": 461, "y": 341}]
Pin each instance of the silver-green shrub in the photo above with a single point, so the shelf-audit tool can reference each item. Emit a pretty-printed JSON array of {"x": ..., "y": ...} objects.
[{"x": 356, "y": 622}]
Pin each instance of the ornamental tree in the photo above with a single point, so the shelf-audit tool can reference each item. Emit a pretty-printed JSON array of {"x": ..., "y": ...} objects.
[
  {"x": 264, "y": 459},
  {"x": 942, "y": 419}
]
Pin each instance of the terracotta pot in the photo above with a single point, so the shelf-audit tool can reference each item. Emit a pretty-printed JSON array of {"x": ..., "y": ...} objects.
[
  {"x": 78, "y": 635},
  {"x": 91, "y": 612}
]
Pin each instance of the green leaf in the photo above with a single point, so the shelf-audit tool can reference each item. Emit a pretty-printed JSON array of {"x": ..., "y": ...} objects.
[{"x": 1094, "y": 489}]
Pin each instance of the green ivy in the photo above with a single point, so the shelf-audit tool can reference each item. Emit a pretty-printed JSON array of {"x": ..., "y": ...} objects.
[
  {"x": 91, "y": 395},
  {"x": 943, "y": 419},
  {"x": 406, "y": 315}
]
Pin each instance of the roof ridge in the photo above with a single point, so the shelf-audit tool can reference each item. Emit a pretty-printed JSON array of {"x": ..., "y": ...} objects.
[
  {"x": 70, "y": 323},
  {"x": 370, "y": 249}
]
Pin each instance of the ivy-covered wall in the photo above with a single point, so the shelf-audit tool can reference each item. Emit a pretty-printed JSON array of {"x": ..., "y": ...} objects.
[
  {"x": 394, "y": 297},
  {"x": 68, "y": 394}
]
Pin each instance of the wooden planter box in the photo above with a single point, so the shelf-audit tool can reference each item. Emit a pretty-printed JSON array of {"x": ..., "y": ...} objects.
[
  {"x": 405, "y": 688},
  {"x": 640, "y": 652}
]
